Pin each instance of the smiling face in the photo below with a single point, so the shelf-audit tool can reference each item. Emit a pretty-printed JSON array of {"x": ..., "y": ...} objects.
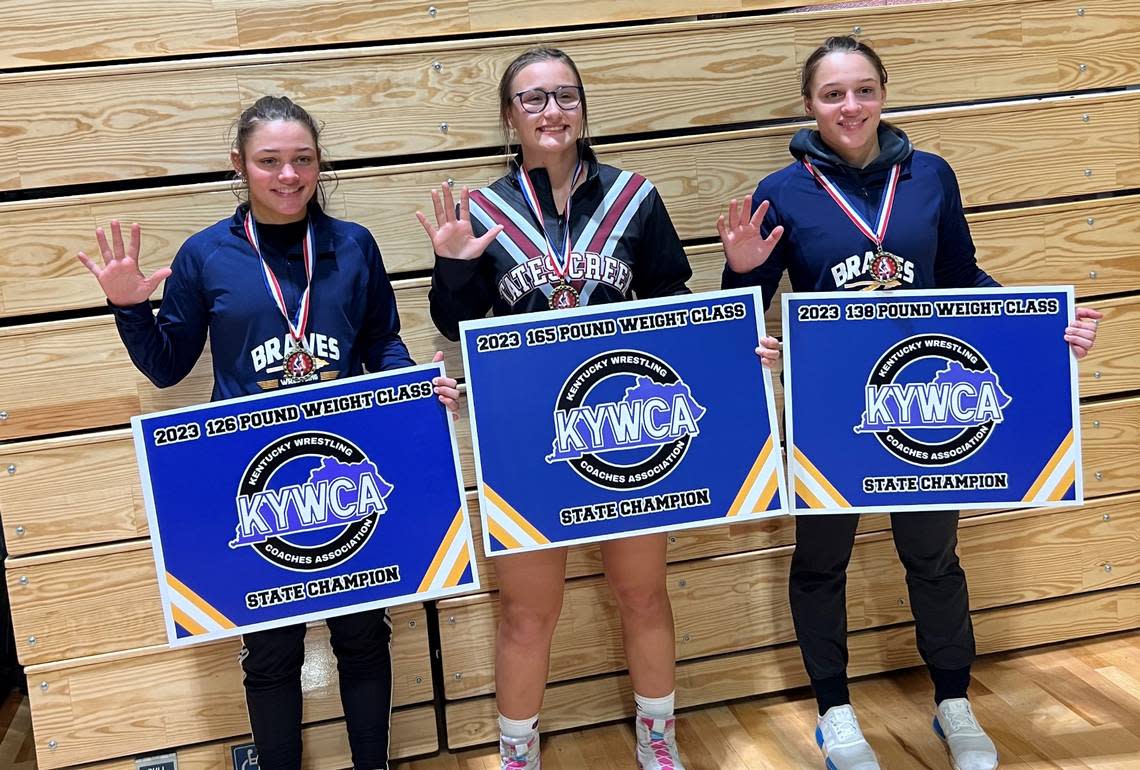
[
  {"x": 846, "y": 98},
  {"x": 555, "y": 130},
  {"x": 281, "y": 165}
]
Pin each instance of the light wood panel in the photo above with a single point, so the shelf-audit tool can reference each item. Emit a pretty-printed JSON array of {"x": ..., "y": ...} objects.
[
  {"x": 990, "y": 148},
  {"x": 152, "y": 698},
  {"x": 393, "y": 101},
  {"x": 78, "y": 374},
  {"x": 1113, "y": 364},
  {"x": 88, "y": 380},
  {"x": 600, "y": 699},
  {"x": 326, "y": 745},
  {"x": 84, "y": 377},
  {"x": 1110, "y": 440},
  {"x": 1019, "y": 557},
  {"x": 84, "y": 490},
  {"x": 1049, "y": 244},
  {"x": 40, "y": 33},
  {"x": 1092, "y": 244}
]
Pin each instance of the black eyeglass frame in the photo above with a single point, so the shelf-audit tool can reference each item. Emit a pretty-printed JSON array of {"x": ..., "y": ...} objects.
[{"x": 546, "y": 98}]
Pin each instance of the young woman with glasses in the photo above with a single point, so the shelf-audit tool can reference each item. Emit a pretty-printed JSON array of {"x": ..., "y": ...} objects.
[
  {"x": 845, "y": 172},
  {"x": 562, "y": 230}
]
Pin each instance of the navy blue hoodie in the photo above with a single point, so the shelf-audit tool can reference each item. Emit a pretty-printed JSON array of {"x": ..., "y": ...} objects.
[
  {"x": 821, "y": 248},
  {"x": 217, "y": 287}
]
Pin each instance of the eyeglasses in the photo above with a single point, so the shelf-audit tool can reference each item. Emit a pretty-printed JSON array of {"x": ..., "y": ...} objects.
[{"x": 534, "y": 100}]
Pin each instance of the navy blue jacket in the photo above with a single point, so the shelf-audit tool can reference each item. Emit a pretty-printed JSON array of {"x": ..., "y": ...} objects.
[
  {"x": 217, "y": 287},
  {"x": 821, "y": 248}
]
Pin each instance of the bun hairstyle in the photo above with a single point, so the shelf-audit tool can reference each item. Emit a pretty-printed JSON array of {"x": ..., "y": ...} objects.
[
  {"x": 269, "y": 109},
  {"x": 838, "y": 44}
]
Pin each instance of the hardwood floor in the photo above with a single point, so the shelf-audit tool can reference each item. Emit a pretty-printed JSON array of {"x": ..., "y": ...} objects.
[
  {"x": 1074, "y": 706},
  {"x": 16, "y": 749}
]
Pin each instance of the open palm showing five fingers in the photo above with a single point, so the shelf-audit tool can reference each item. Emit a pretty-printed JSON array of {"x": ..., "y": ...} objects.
[
  {"x": 744, "y": 247},
  {"x": 451, "y": 235},
  {"x": 120, "y": 277}
]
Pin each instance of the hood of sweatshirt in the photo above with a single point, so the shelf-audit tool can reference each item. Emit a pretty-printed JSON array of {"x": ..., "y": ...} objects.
[{"x": 894, "y": 147}]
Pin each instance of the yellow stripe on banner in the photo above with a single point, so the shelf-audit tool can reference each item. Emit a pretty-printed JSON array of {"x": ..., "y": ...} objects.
[
  {"x": 768, "y": 493},
  {"x": 750, "y": 479},
  {"x": 812, "y": 471},
  {"x": 457, "y": 571},
  {"x": 1066, "y": 482},
  {"x": 1050, "y": 466},
  {"x": 186, "y": 593},
  {"x": 804, "y": 491},
  {"x": 500, "y": 534},
  {"x": 184, "y": 620},
  {"x": 441, "y": 552},
  {"x": 514, "y": 515}
]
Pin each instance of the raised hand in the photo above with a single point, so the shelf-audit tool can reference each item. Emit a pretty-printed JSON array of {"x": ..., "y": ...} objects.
[
  {"x": 120, "y": 277},
  {"x": 452, "y": 236},
  {"x": 744, "y": 248},
  {"x": 1081, "y": 333},
  {"x": 447, "y": 389}
]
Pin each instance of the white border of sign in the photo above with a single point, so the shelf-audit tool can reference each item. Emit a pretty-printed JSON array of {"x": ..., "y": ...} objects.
[
  {"x": 561, "y": 315},
  {"x": 916, "y": 295},
  {"x": 160, "y": 562}
]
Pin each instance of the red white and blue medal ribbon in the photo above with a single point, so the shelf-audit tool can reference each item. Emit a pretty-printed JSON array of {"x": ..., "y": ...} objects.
[
  {"x": 531, "y": 198},
  {"x": 298, "y": 324},
  {"x": 885, "y": 205}
]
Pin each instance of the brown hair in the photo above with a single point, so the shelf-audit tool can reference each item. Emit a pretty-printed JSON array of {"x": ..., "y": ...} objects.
[
  {"x": 839, "y": 44},
  {"x": 268, "y": 109},
  {"x": 521, "y": 62}
]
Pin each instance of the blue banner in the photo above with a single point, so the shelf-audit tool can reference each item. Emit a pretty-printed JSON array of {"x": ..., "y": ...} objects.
[
  {"x": 309, "y": 502},
  {"x": 931, "y": 400},
  {"x": 605, "y": 422}
]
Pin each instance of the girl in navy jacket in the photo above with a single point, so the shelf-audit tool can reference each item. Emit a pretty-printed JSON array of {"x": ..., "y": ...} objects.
[
  {"x": 820, "y": 219},
  {"x": 287, "y": 295}
]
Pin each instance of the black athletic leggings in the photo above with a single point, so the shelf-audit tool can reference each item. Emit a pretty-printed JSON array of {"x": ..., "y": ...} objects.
[
  {"x": 272, "y": 663},
  {"x": 817, "y": 588}
]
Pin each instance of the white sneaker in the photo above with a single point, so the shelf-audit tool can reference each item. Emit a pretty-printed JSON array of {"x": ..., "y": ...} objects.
[
  {"x": 657, "y": 744},
  {"x": 970, "y": 747},
  {"x": 519, "y": 753},
  {"x": 838, "y": 736}
]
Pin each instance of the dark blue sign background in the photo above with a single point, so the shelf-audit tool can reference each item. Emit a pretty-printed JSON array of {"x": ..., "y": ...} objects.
[
  {"x": 192, "y": 488},
  {"x": 830, "y": 362},
  {"x": 513, "y": 395}
]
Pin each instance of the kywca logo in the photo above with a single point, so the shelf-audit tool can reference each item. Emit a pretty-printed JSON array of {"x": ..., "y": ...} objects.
[
  {"x": 303, "y": 483},
  {"x": 965, "y": 396},
  {"x": 638, "y": 402}
]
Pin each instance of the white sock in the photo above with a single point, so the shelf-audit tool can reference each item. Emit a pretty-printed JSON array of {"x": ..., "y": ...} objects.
[
  {"x": 656, "y": 708},
  {"x": 518, "y": 728}
]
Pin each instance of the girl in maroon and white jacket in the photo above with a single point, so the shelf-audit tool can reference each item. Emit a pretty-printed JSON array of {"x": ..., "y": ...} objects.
[{"x": 562, "y": 230}]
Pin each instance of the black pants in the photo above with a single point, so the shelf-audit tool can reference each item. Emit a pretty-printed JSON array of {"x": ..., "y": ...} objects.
[
  {"x": 272, "y": 663},
  {"x": 817, "y": 589}
]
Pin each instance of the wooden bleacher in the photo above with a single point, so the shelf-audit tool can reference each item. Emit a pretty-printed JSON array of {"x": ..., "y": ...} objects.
[{"x": 1024, "y": 98}]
